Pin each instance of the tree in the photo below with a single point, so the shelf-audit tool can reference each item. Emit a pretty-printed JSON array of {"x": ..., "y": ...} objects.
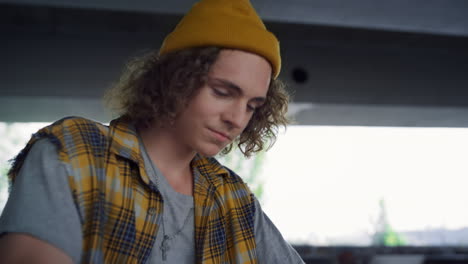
[{"x": 384, "y": 234}]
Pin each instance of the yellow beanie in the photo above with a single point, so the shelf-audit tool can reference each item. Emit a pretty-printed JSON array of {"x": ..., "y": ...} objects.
[{"x": 230, "y": 24}]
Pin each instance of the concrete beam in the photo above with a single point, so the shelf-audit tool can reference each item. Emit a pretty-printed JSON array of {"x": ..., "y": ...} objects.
[{"x": 446, "y": 17}]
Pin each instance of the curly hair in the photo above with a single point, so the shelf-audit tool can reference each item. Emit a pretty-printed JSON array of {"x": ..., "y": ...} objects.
[{"x": 155, "y": 89}]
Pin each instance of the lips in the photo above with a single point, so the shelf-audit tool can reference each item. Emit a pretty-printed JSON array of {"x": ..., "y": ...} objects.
[{"x": 220, "y": 136}]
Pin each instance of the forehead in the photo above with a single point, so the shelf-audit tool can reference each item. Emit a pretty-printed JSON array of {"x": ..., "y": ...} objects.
[{"x": 251, "y": 72}]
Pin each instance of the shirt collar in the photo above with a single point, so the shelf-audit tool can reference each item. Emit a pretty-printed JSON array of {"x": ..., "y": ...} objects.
[{"x": 125, "y": 143}]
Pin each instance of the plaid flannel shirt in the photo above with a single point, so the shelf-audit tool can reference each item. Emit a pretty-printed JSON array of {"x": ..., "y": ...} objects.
[{"x": 120, "y": 208}]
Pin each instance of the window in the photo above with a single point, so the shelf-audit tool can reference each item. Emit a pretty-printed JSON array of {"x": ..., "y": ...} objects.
[
  {"x": 361, "y": 185},
  {"x": 338, "y": 185}
]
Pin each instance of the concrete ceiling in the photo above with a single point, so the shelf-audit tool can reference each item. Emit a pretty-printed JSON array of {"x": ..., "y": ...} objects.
[
  {"x": 446, "y": 17},
  {"x": 391, "y": 63}
]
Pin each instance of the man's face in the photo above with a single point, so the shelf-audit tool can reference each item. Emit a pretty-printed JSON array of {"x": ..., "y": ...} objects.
[{"x": 237, "y": 84}]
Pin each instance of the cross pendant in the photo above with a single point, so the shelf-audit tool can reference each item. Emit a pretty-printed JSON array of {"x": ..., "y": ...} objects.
[{"x": 164, "y": 247}]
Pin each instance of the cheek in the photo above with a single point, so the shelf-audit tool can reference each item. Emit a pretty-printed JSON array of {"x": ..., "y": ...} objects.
[
  {"x": 193, "y": 119},
  {"x": 206, "y": 109}
]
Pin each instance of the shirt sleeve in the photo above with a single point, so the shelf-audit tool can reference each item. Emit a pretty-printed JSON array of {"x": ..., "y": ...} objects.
[
  {"x": 41, "y": 204},
  {"x": 271, "y": 246}
]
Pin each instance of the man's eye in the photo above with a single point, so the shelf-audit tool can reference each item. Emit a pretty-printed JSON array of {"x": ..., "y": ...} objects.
[
  {"x": 251, "y": 108},
  {"x": 220, "y": 92}
]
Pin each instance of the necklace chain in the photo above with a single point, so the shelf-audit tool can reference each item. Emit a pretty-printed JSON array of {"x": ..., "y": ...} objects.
[{"x": 166, "y": 238}]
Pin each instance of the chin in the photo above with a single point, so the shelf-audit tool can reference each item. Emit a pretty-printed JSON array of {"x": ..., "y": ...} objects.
[
  {"x": 209, "y": 151},
  {"x": 208, "y": 154}
]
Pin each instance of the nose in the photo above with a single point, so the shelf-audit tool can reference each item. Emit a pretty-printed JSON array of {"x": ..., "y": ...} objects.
[{"x": 236, "y": 116}]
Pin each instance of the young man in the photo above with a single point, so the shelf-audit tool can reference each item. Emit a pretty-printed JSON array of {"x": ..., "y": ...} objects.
[{"x": 145, "y": 189}]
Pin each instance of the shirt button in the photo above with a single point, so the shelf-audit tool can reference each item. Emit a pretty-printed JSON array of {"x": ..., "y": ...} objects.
[{"x": 152, "y": 211}]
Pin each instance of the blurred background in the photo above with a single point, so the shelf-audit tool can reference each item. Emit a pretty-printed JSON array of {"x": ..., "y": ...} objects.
[{"x": 375, "y": 168}]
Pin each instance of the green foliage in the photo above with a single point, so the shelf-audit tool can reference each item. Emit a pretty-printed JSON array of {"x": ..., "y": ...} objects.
[
  {"x": 384, "y": 234},
  {"x": 249, "y": 169}
]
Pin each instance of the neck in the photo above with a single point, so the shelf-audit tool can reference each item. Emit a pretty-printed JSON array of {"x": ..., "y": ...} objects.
[{"x": 170, "y": 156}]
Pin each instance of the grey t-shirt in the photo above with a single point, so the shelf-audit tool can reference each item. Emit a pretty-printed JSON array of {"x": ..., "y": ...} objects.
[{"x": 42, "y": 206}]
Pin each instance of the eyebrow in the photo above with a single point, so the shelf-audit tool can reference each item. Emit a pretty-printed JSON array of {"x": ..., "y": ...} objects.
[{"x": 238, "y": 90}]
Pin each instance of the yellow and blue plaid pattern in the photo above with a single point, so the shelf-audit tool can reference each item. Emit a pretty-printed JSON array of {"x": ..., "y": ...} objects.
[{"x": 120, "y": 208}]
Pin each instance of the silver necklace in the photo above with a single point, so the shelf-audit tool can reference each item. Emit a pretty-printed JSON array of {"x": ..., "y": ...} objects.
[{"x": 166, "y": 238}]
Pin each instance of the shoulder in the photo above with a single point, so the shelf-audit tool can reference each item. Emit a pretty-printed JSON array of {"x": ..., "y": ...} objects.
[
  {"x": 73, "y": 133},
  {"x": 224, "y": 180},
  {"x": 232, "y": 181},
  {"x": 69, "y": 134},
  {"x": 228, "y": 174},
  {"x": 72, "y": 128},
  {"x": 77, "y": 123}
]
